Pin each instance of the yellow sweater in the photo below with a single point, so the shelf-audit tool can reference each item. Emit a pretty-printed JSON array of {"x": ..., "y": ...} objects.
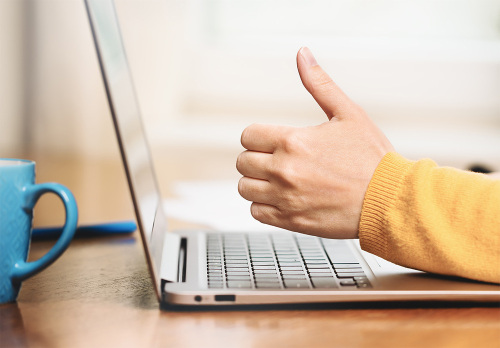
[{"x": 431, "y": 218}]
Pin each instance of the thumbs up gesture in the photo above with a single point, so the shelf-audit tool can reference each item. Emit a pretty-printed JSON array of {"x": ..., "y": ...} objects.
[{"x": 312, "y": 180}]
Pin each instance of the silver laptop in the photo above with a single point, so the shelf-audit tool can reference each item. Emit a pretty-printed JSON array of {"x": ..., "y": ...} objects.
[{"x": 206, "y": 268}]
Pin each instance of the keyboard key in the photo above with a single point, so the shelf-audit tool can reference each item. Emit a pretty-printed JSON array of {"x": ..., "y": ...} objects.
[
  {"x": 237, "y": 273},
  {"x": 291, "y": 268},
  {"x": 239, "y": 284},
  {"x": 237, "y": 269},
  {"x": 215, "y": 285},
  {"x": 319, "y": 270},
  {"x": 262, "y": 258},
  {"x": 324, "y": 283},
  {"x": 322, "y": 275},
  {"x": 236, "y": 257},
  {"x": 323, "y": 266},
  {"x": 364, "y": 285},
  {"x": 288, "y": 258},
  {"x": 347, "y": 282},
  {"x": 316, "y": 262},
  {"x": 294, "y": 276},
  {"x": 289, "y": 264},
  {"x": 346, "y": 265},
  {"x": 265, "y": 271},
  {"x": 292, "y": 272},
  {"x": 293, "y": 283},
  {"x": 238, "y": 277},
  {"x": 215, "y": 271},
  {"x": 215, "y": 274},
  {"x": 349, "y": 270},
  {"x": 263, "y": 263},
  {"x": 233, "y": 262},
  {"x": 268, "y": 281},
  {"x": 268, "y": 285},
  {"x": 348, "y": 275},
  {"x": 316, "y": 254},
  {"x": 362, "y": 282},
  {"x": 289, "y": 254},
  {"x": 266, "y": 276}
]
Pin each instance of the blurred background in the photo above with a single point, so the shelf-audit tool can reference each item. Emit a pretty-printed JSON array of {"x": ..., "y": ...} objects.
[{"x": 427, "y": 72}]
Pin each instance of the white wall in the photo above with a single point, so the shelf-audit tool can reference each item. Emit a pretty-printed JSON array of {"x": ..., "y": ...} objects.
[
  {"x": 68, "y": 102},
  {"x": 11, "y": 76},
  {"x": 427, "y": 71}
]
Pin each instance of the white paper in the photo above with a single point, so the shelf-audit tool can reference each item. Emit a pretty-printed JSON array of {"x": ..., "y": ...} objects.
[{"x": 215, "y": 204}]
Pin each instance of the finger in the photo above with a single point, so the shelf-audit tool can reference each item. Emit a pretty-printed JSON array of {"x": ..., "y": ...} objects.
[
  {"x": 254, "y": 164},
  {"x": 317, "y": 82},
  {"x": 255, "y": 190},
  {"x": 265, "y": 213},
  {"x": 262, "y": 138}
]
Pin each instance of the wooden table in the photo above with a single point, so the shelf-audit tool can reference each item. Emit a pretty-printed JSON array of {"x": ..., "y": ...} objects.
[{"x": 98, "y": 294}]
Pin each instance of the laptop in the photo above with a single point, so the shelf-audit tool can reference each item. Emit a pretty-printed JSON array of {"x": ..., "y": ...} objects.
[{"x": 205, "y": 269}]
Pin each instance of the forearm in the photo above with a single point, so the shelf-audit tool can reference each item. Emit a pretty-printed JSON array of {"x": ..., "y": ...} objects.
[{"x": 440, "y": 220}]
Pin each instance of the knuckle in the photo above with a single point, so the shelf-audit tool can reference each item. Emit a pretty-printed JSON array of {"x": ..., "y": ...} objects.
[
  {"x": 257, "y": 212},
  {"x": 297, "y": 141},
  {"x": 287, "y": 174},
  {"x": 322, "y": 84},
  {"x": 291, "y": 141},
  {"x": 298, "y": 222},
  {"x": 293, "y": 202}
]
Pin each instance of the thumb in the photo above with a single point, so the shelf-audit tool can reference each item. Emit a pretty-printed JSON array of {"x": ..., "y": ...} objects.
[{"x": 327, "y": 94}]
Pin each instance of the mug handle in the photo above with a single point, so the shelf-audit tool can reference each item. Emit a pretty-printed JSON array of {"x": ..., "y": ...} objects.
[{"x": 23, "y": 269}]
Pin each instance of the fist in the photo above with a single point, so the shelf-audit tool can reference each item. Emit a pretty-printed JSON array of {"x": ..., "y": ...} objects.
[{"x": 312, "y": 180}]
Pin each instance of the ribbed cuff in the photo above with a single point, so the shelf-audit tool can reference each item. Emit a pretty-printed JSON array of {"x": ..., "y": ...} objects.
[{"x": 379, "y": 199}]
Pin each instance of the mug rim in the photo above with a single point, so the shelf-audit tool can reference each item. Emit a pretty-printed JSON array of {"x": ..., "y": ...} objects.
[{"x": 10, "y": 162}]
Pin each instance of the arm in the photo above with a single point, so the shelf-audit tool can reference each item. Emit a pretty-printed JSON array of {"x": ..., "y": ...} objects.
[
  {"x": 440, "y": 220},
  {"x": 314, "y": 180}
]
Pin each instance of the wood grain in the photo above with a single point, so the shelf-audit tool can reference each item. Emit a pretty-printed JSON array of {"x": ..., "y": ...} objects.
[{"x": 98, "y": 294}]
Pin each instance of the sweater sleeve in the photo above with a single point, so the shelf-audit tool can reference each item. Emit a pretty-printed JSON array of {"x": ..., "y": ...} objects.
[{"x": 436, "y": 219}]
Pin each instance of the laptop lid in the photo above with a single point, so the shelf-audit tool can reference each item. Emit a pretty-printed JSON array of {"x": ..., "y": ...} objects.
[{"x": 132, "y": 140}]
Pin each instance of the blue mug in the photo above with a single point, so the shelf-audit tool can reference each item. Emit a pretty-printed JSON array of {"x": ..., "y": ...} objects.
[{"x": 18, "y": 196}]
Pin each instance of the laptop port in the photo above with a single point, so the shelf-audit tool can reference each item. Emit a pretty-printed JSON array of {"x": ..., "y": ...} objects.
[{"x": 225, "y": 298}]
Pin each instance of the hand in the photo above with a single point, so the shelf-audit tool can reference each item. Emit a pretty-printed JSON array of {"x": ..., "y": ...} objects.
[{"x": 312, "y": 180}]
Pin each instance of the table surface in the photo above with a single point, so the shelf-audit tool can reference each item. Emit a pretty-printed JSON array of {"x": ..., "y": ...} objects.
[{"x": 99, "y": 294}]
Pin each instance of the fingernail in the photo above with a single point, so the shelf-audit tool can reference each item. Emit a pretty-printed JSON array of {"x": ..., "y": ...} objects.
[{"x": 308, "y": 56}]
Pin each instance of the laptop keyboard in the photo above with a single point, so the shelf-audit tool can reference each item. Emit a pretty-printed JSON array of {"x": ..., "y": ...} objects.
[{"x": 277, "y": 261}]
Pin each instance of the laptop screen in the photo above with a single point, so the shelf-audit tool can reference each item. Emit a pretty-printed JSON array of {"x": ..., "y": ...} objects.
[{"x": 129, "y": 129}]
